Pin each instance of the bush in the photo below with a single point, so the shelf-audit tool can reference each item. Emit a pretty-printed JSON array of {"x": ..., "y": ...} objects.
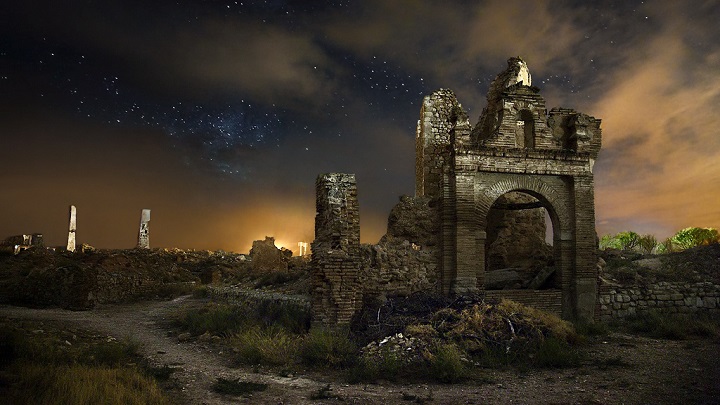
[
  {"x": 647, "y": 243},
  {"x": 272, "y": 346},
  {"x": 215, "y": 319},
  {"x": 276, "y": 278},
  {"x": 447, "y": 364},
  {"x": 328, "y": 347},
  {"x": 692, "y": 237},
  {"x": 622, "y": 241},
  {"x": 272, "y": 313},
  {"x": 218, "y": 319},
  {"x": 387, "y": 366}
]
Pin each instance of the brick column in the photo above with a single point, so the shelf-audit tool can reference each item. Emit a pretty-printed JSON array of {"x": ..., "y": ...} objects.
[
  {"x": 336, "y": 251},
  {"x": 467, "y": 260},
  {"x": 585, "y": 249}
]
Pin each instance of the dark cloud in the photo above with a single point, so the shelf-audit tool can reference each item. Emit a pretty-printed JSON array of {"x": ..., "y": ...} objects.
[{"x": 219, "y": 116}]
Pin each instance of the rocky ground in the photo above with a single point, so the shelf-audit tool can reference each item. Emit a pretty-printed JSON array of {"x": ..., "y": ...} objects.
[{"x": 618, "y": 368}]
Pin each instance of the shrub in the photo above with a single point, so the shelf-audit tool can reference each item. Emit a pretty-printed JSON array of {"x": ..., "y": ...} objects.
[
  {"x": 213, "y": 318},
  {"x": 272, "y": 346},
  {"x": 387, "y": 366},
  {"x": 622, "y": 241},
  {"x": 277, "y": 278},
  {"x": 647, "y": 243},
  {"x": 273, "y": 313},
  {"x": 328, "y": 347},
  {"x": 447, "y": 364},
  {"x": 692, "y": 237},
  {"x": 667, "y": 246}
]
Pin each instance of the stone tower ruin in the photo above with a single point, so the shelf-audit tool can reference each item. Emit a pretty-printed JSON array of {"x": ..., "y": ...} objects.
[
  {"x": 336, "y": 250},
  {"x": 476, "y": 224}
]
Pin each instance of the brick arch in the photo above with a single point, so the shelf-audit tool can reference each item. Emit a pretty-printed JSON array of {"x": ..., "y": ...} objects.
[{"x": 534, "y": 186}]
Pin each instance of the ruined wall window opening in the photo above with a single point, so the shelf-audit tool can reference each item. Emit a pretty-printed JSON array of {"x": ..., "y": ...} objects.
[
  {"x": 517, "y": 254},
  {"x": 525, "y": 135}
]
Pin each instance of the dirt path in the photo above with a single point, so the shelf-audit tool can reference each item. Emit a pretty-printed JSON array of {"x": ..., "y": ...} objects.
[{"x": 621, "y": 370}]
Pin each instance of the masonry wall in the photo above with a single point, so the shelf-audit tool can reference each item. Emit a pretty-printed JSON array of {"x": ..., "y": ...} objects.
[
  {"x": 669, "y": 297},
  {"x": 438, "y": 116}
]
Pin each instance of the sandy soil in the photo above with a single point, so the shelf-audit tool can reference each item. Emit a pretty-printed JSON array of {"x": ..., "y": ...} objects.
[{"x": 651, "y": 371}]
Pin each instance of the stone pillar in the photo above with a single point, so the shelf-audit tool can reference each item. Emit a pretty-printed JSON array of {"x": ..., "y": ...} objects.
[
  {"x": 335, "y": 292},
  {"x": 71, "y": 229},
  {"x": 586, "y": 274},
  {"x": 144, "y": 233},
  {"x": 467, "y": 260}
]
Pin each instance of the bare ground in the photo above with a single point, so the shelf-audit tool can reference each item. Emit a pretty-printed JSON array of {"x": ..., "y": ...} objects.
[{"x": 620, "y": 369}]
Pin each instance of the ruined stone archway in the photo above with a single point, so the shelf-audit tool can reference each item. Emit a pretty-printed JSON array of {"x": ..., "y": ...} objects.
[
  {"x": 461, "y": 173},
  {"x": 481, "y": 163}
]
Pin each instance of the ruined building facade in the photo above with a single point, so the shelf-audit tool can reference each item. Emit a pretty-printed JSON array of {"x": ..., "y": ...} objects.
[{"x": 482, "y": 195}]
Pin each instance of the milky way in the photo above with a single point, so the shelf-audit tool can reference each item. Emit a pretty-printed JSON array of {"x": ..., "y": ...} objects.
[{"x": 233, "y": 107}]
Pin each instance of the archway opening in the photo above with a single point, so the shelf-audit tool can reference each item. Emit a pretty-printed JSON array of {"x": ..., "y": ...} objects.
[
  {"x": 518, "y": 254},
  {"x": 525, "y": 133}
]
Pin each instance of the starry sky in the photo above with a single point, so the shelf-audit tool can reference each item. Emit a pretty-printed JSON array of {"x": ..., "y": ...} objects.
[{"x": 219, "y": 115}]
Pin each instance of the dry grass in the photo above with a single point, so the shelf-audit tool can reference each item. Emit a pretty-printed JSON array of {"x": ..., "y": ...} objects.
[
  {"x": 80, "y": 384},
  {"x": 45, "y": 364}
]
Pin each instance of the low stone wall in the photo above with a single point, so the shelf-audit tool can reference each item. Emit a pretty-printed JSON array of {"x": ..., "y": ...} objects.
[
  {"x": 618, "y": 302},
  {"x": 240, "y": 296}
]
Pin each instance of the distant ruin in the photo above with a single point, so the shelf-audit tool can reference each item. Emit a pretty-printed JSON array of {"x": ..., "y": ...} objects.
[
  {"x": 72, "y": 228},
  {"x": 143, "y": 241},
  {"x": 476, "y": 224}
]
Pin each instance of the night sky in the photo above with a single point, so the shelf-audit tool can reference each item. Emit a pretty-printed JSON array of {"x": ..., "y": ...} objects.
[{"x": 219, "y": 115}]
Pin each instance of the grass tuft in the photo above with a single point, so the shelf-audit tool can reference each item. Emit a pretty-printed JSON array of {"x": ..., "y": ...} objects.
[
  {"x": 447, "y": 364},
  {"x": 323, "y": 347}
]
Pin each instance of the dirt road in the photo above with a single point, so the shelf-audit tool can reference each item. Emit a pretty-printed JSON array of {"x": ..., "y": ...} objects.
[{"x": 651, "y": 371}]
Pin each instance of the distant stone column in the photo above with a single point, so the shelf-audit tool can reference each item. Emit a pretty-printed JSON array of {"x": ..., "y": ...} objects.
[
  {"x": 71, "y": 229},
  {"x": 144, "y": 233}
]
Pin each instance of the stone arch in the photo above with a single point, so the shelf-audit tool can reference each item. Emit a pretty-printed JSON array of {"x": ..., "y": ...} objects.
[
  {"x": 533, "y": 185},
  {"x": 555, "y": 194}
]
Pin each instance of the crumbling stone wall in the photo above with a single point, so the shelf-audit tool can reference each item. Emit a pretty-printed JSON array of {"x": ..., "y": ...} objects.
[
  {"x": 438, "y": 116},
  {"x": 670, "y": 297},
  {"x": 336, "y": 293},
  {"x": 405, "y": 260}
]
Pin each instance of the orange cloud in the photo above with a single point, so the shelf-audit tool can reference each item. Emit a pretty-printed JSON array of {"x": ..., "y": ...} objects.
[{"x": 661, "y": 143}]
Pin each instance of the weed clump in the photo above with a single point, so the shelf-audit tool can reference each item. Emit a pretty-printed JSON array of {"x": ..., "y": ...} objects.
[{"x": 328, "y": 347}]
